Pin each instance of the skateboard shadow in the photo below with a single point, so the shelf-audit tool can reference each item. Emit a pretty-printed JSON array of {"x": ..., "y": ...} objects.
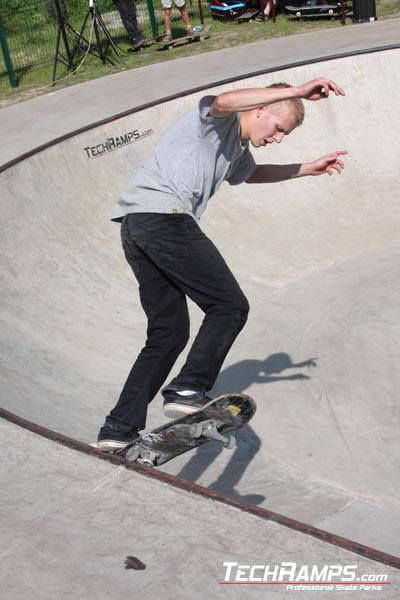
[{"x": 239, "y": 378}]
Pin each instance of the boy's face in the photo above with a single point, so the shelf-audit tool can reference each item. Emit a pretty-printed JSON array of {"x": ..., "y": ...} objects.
[{"x": 270, "y": 124}]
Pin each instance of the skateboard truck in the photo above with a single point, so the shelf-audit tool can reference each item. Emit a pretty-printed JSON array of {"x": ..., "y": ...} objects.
[
  {"x": 209, "y": 429},
  {"x": 148, "y": 458}
]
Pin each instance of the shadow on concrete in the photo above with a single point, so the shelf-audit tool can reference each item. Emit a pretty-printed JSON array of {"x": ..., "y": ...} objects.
[{"x": 239, "y": 378}]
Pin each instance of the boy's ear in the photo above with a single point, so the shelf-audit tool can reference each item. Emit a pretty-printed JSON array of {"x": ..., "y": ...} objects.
[{"x": 260, "y": 111}]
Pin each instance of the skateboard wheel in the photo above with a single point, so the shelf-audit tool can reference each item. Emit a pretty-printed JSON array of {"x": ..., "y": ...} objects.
[
  {"x": 298, "y": 14},
  {"x": 196, "y": 430},
  {"x": 132, "y": 454},
  {"x": 147, "y": 462},
  {"x": 330, "y": 11},
  {"x": 148, "y": 459},
  {"x": 230, "y": 442}
]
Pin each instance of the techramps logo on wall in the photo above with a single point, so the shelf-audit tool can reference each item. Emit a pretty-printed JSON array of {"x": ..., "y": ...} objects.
[{"x": 115, "y": 143}]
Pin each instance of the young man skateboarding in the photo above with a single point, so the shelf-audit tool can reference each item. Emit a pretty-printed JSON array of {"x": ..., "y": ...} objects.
[{"x": 171, "y": 257}]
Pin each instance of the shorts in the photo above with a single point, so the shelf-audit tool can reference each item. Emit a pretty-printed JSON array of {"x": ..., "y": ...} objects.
[{"x": 168, "y": 3}]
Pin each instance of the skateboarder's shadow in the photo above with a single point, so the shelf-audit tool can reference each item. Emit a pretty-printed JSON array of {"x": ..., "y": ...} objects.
[{"x": 239, "y": 378}]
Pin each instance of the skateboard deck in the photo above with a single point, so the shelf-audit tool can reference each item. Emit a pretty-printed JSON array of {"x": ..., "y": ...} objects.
[
  {"x": 213, "y": 422},
  {"x": 248, "y": 15},
  {"x": 186, "y": 39},
  {"x": 320, "y": 10}
]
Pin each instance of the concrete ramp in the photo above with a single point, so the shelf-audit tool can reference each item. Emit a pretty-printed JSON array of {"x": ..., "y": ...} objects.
[
  {"x": 317, "y": 258},
  {"x": 82, "y": 528}
]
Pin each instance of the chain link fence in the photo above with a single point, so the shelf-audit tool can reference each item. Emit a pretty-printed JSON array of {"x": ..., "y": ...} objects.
[{"x": 29, "y": 28}]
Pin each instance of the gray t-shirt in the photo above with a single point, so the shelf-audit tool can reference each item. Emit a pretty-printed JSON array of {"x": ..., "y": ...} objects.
[{"x": 189, "y": 163}]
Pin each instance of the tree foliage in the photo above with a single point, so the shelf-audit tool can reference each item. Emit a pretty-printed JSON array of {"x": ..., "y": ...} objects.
[{"x": 19, "y": 15}]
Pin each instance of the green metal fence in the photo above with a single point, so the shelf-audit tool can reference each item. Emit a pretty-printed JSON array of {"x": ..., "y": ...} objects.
[{"x": 28, "y": 28}]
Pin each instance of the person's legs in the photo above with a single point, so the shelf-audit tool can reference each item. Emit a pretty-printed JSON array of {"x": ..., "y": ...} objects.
[
  {"x": 168, "y": 323},
  {"x": 167, "y": 19},
  {"x": 189, "y": 259},
  {"x": 167, "y": 7},
  {"x": 181, "y": 6},
  {"x": 127, "y": 11},
  {"x": 185, "y": 17},
  {"x": 171, "y": 257}
]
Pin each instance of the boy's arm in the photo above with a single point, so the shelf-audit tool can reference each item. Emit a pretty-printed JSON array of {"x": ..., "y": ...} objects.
[
  {"x": 274, "y": 173},
  {"x": 248, "y": 99}
]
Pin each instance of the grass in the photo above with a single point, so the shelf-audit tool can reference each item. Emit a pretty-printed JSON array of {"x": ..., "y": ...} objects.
[{"x": 35, "y": 81}]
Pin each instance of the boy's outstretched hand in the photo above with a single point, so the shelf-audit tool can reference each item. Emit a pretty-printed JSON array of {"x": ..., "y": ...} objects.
[
  {"x": 319, "y": 89},
  {"x": 326, "y": 164}
]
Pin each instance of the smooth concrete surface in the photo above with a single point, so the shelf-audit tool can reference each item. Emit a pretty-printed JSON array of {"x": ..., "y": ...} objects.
[
  {"x": 68, "y": 529},
  {"x": 58, "y": 112},
  {"x": 319, "y": 262}
]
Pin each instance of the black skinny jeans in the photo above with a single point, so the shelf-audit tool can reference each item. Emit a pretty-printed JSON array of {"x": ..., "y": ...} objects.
[
  {"x": 127, "y": 11},
  {"x": 171, "y": 259}
]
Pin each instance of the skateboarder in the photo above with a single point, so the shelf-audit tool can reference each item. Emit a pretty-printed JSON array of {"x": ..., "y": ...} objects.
[{"x": 171, "y": 257}]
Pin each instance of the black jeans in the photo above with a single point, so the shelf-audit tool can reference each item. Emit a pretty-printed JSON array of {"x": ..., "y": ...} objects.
[
  {"x": 127, "y": 11},
  {"x": 171, "y": 259}
]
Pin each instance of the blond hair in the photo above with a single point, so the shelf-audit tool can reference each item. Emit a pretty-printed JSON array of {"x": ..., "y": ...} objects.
[{"x": 296, "y": 104}]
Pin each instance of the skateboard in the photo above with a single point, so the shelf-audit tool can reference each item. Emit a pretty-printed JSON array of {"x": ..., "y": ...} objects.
[
  {"x": 315, "y": 10},
  {"x": 248, "y": 15},
  {"x": 199, "y": 36},
  {"x": 213, "y": 422}
]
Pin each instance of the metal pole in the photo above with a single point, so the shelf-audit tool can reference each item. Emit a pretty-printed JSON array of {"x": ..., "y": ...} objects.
[
  {"x": 342, "y": 13},
  {"x": 201, "y": 13},
  {"x": 7, "y": 58},
  {"x": 153, "y": 22}
]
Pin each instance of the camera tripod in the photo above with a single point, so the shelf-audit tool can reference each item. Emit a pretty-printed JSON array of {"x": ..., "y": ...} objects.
[
  {"x": 62, "y": 28},
  {"x": 96, "y": 19},
  {"x": 81, "y": 42}
]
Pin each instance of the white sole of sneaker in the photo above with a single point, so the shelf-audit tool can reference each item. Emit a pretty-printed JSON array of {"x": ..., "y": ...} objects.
[
  {"x": 174, "y": 411},
  {"x": 111, "y": 446}
]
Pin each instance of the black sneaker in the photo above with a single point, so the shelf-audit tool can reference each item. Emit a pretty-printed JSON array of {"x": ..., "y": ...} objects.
[
  {"x": 141, "y": 42},
  {"x": 176, "y": 405},
  {"x": 116, "y": 435}
]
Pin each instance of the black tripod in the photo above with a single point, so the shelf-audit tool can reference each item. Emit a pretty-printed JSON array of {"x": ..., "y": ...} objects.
[
  {"x": 62, "y": 28},
  {"x": 97, "y": 21}
]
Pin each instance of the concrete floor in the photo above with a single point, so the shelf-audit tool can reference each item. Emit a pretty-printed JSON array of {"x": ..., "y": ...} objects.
[
  {"x": 69, "y": 522},
  {"x": 318, "y": 260}
]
